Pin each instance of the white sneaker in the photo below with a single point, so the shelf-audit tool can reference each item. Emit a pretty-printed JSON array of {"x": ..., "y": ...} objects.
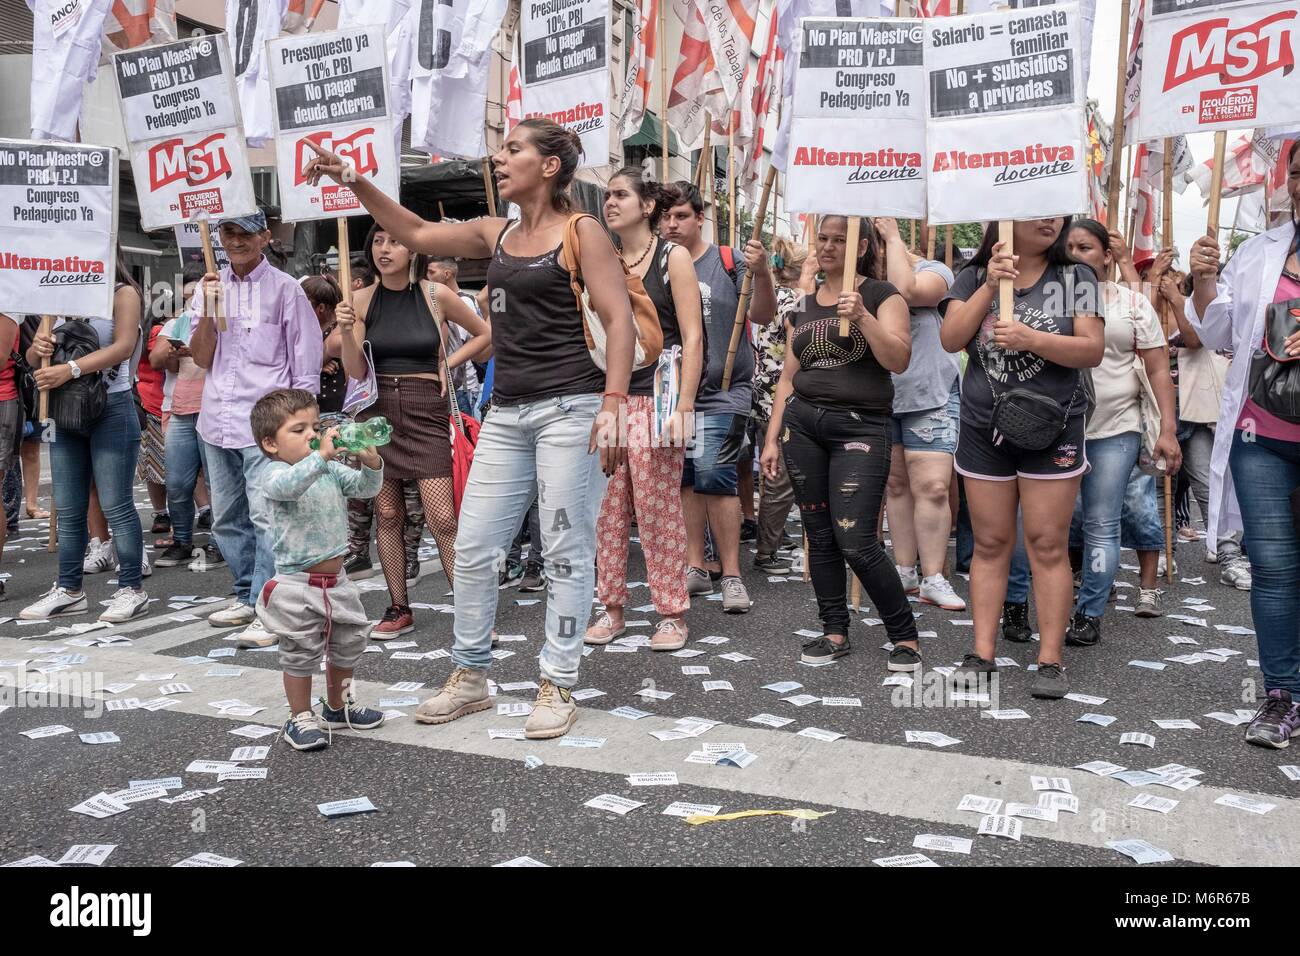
[
  {"x": 236, "y": 614},
  {"x": 100, "y": 557},
  {"x": 255, "y": 635},
  {"x": 909, "y": 578},
  {"x": 936, "y": 590},
  {"x": 1236, "y": 573},
  {"x": 146, "y": 568},
  {"x": 127, "y": 603},
  {"x": 1160, "y": 565},
  {"x": 56, "y": 602}
]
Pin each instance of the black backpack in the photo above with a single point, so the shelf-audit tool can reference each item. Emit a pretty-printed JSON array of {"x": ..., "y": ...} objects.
[{"x": 78, "y": 404}]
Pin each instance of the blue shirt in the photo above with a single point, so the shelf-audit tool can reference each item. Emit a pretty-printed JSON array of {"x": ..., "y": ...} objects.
[{"x": 309, "y": 508}]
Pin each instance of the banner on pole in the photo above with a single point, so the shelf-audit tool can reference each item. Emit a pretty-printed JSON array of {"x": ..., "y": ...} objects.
[
  {"x": 1005, "y": 116},
  {"x": 565, "y": 73},
  {"x": 857, "y": 137},
  {"x": 58, "y": 229},
  {"x": 182, "y": 124},
  {"x": 331, "y": 89},
  {"x": 189, "y": 245},
  {"x": 1218, "y": 64}
]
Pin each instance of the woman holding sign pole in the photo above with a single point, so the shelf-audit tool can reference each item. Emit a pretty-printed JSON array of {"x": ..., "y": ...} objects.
[
  {"x": 552, "y": 407},
  {"x": 832, "y": 414},
  {"x": 1253, "y": 309},
  {"x": 1021, "y": 442},
  {"x": 105, "y": 453}
]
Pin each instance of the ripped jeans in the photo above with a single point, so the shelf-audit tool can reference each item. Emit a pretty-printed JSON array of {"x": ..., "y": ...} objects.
[{"x": 838, "y": 462}]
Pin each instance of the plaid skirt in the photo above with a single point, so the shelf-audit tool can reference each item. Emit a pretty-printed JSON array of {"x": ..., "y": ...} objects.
[
  {"x": 153, "y": 456},
  {"x": 421, "y": 441}
]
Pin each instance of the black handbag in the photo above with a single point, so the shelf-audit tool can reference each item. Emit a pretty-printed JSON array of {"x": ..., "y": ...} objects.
[
  {"x": 77, "y": 404},
  {"x": 1274, "y": 375}
]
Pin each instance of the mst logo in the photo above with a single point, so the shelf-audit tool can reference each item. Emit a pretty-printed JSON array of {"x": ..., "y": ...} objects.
[
  {"x": 1210, "y": 48},
  {"x": 171, "y": 161},
  {"x": 357, "y": 149}
]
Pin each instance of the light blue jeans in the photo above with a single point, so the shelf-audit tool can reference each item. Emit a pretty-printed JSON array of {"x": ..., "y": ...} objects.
[
  {"x": 241, "y": 520},
  {"x": 525, "y": 450},
  {"x": 1102, "y": 492},
  {"x": 184, "y": 457}
]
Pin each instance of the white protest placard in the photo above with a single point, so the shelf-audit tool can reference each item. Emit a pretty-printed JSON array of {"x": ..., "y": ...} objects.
[
  {"x": 857, "y": 139},
  {"x": 1005, "y": 129},
  {"x": 565, "y": 75},
  {"x": 1218, "y": 64},
  {"x": 182, "y": 122},
  {"x": 190, "y": 246},
  {"x": 331, "y": 89},
  {"x": 58, "y": 228}
]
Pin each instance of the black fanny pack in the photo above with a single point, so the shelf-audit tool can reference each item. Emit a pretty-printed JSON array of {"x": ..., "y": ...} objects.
[
  {"x": 1028, "y": 420},
  {"x": 1275, "y": 376}
]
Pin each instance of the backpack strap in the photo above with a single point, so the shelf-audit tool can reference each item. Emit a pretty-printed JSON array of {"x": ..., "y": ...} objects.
[{"x": 728, "y": 260}]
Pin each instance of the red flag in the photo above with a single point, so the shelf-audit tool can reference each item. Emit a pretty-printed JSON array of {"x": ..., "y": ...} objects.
[
  {"x": 1243, "y": 171},
  {"x": 640, "y": 68},
  {"x": 766, "y": 81},
  {"x": 515, "y": 94}
]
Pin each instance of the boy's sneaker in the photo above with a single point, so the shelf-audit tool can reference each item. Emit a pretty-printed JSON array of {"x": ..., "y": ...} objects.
[
  {"x": 1150, "y": 602},
  {"x": 303, "y": 732},
  {"x": 772, "y": 564},
  {"x": 532, "y": 580},
  {"x": 1236, "y": 573},
  {"x": 910, "y": 580},
  {"x": 698, "y": 581},
  {"x": 1276, "y": 722},
  {"x": 1050, "y": 683},
  {"x": 397, "y": 620},
  {"x": 126, "y": 603},
  {"x": 735, "y": 599},
  {"x": 56, "y": 602},
  {"x": 603, "y": 631},
  {"x": 235, "y": 614},
  {"x": 822, "y": 650},
  {"x": 748, "y": 531},
  {"x": 358, "y": 567},
  {"x": 904, "y": 660},
  {"x": 1015, "y": 622},
  {"x": 162, "y": 523},
  {"x": 100, "y": 557},
  {"x": 412, "y": 571},
  {"x": 203, "y": 521},
  {"x": 255, "y": 635},
  {"x": 554, "y": 713},
  {"x": 350, "y": 716},
  {"x": 1084, "y": 631},
  {"x": 937, "y": 591},
  {"x": 511, "y": 575},
  {"x": 209, "y": 559},
  {"x": 466, "y": 692},
  {"x": 174, "y": 555}
]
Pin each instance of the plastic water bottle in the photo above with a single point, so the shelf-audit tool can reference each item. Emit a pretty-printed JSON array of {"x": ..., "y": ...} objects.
[{"x": 358, "y": 436}]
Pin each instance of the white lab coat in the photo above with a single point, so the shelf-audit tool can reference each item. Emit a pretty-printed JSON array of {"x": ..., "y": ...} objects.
[{"x": 1235, "y": 320}]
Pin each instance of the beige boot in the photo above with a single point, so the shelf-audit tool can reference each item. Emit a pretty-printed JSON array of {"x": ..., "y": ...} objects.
[
  {"x": 553, "y": 715},
  {"x": 466, "y": 692}
]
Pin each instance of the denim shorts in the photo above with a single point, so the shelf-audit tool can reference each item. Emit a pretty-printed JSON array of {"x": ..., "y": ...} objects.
[
  {"x": 711, "y": 458},
  {"x": 931, "y": 429}
]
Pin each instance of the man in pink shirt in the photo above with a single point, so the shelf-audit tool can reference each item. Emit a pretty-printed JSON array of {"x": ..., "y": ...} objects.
[{"x": 272, "y": 340}]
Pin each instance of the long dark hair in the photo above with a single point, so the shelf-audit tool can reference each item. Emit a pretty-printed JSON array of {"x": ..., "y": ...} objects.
[
  {"x": 646, "y": 189},
  {"x": 872, "y": 262},
  {"x": 1058, "y": 253},
  {"x": 552, "y": 139},
  {"x": 375, "y": 230}
]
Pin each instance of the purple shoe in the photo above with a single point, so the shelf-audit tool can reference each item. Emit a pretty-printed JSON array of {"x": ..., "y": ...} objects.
[{"x": 1277, "y": 721}]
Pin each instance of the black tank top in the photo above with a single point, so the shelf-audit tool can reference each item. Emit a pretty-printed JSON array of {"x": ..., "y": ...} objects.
[
  {"x": 402, "y": 334},
  {"x": 837, "y": 371},
  {"x": 537, "y": 335},
  {"x": 643, "y": 381}
]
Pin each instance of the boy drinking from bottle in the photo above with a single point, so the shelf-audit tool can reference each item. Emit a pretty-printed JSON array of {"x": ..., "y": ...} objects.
[{"x": 310, "y": 604}]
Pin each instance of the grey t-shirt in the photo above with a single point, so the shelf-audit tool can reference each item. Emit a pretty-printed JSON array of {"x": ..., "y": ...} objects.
[
  {"x": 928, "y": 378},
  {"x": 719, "y": 295},
  {"x": 1049, "y": 306}
]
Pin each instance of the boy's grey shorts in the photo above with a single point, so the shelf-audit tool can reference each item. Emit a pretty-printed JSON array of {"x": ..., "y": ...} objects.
[{"x": 307, "y": 612}]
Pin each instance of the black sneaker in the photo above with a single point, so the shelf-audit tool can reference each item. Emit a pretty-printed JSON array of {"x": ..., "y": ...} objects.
[
  {"x": 211, "y": 558},
  {"x": 1050, "y": 683},
  {"x": 972, "y": 665},
  {"x": 162, "y": 523},
  {"x": 904, "y": 660},
  {"x": 787, "y": 543},
  {"x": 748, "y": 530},
  {"x": 512, "y": 575},
  {"x": 822, "y": 650},
  {"x": 358, "y": 566},
  {"x": 1084, "y": 631},
  {"x": 412, "y": 571},
  {"x": 771, "y": 564},
  {"x": 204, "y": 521},
  {"x": 1015, "y": 622},
  {"x": 174, "y": 556},
  {"x": 533, "y": 580}
]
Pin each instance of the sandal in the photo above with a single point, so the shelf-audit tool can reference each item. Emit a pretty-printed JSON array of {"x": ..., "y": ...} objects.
[
  {"x": 40, "y": 514},
  {"x": 670, "y": 635}
]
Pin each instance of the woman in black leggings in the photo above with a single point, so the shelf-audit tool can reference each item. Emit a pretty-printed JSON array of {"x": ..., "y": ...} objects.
[{"x": 831, "y": 412}]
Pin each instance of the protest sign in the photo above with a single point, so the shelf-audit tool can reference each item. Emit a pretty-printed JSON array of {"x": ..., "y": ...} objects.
[
  {"x": 331, "y": 89},
  {"x": 1218, "y": 64},
  {"x": 565, "y": 74},
  {"x": 58, "y": 228},
  {"x": 190, "y": 246},
  {"x": 1005, "y": 115},
  {"x": 182, "y": 123},
  {"x": 857, "y": 139}
]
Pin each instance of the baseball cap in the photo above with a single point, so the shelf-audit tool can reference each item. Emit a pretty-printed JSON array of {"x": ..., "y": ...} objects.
[{"x": 250, "y": 224}]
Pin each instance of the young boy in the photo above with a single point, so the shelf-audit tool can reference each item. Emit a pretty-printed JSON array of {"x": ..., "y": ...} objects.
[{"x": 310, "y": 604}]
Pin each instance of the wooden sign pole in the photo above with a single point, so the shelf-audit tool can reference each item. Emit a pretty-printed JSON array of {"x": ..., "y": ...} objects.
[
  {"x": 211, "y": 300},
  {"x": 345, "y": 261},
  {"x": 747, "y": 285},
  {"x": 850, "y": 263},
  {"x": 1117, "y": 141}
]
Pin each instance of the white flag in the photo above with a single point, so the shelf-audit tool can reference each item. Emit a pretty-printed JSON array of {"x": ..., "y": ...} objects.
[
  {"x": 249, "y": 24},
  {"x": 66, "y": 39},
  {"x": 640, "y": 68},
  {"x": 730, "y": 25},
  {"x": 696, "y": 89},
  {"x": 394, "y": 15},
  {"x": 132, "y": 23}
]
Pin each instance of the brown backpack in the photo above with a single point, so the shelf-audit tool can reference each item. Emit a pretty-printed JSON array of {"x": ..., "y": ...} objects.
[{"x": 649, "y": 334}]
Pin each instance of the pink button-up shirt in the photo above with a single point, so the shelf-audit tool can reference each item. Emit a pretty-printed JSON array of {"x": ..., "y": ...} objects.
[{"x": 272, "y": 340}]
